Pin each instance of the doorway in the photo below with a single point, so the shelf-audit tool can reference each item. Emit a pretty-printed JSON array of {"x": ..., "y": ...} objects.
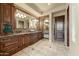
[
  {"x": 59, "y": 28},
  {"x": 46, "y": 28}
]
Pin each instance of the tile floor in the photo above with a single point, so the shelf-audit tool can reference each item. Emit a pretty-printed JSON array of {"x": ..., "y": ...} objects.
[{"x": 43, "y": 48}]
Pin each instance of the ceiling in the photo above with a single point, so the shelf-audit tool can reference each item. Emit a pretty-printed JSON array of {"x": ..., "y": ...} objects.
[
  {"x": 43, "y": 7},
  {"x": 39, "y": 9}
]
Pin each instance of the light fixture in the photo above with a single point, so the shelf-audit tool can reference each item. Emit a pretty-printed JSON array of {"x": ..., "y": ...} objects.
[
  {"x": 35, "y": 20},
  {"x": 24, "y": 16},
  {"x": 49, "y": 3},
  {"x": 17, "y": 14},
  {"x": 46, "y": 20},
  {"x": 20, "y": 15}
]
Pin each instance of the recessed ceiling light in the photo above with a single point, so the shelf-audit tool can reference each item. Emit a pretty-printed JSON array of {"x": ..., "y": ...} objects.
[{"x": 49, "y": 3}]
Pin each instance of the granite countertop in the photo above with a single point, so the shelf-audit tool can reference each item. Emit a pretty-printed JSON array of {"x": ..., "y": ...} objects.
[{"x": 14, "y": 34}]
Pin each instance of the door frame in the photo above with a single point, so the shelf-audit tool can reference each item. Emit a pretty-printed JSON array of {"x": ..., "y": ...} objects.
[
  {"x": 67, "y": 40},
  {"x": 63, "y": 26}
]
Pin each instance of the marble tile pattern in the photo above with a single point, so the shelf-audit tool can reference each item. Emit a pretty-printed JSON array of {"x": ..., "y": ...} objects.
[{"x": 44, "y": 48}]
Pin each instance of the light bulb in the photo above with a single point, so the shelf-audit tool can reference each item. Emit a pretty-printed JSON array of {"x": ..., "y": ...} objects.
[
  {"x": 17, "y": 14},
  {"x": 20, "y": 15},
  {"x": 24, "y": 16},
  {"x": 49, "y": 3}
]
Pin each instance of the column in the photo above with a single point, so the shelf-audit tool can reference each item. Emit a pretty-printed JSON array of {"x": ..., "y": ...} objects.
[
  {"x": 50, "y": 28},
  {"x": 65, "y": 26}
]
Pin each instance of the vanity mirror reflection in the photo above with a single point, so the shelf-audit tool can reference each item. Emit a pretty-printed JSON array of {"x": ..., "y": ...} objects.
[
  {"x": 25, "y": 22},
  {"x": 33, "y": 24},
  {"x": 46, "y": 28}
]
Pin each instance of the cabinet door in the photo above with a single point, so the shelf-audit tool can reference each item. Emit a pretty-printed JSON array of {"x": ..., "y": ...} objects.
[
  {"x": 26, "y": 40},
  {"x": 13, "y": 21},
  {"x": 6, "y": 12},
  {"x": 1, "y": 18}
]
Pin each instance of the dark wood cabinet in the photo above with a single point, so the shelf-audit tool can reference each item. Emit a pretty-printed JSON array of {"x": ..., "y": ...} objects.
[
  {"x": 12, "y": 44},
  {"x": 13, "y": 20},
  {"x": 7, "y": 14},
  {"x": 8, "y": 45}
]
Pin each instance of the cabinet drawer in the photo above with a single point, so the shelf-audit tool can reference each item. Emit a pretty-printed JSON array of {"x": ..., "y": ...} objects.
[
  {"x": 12, "y": 51},
  {"x": 10, "y": 43},
  {"x": 10, "y": 38},
  {"x": 10, "y": 47}
]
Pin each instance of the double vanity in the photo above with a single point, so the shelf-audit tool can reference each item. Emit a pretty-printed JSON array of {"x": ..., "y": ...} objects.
[
  {"x": 15, "y": 29},
  {"x": 10, "y": 44}
]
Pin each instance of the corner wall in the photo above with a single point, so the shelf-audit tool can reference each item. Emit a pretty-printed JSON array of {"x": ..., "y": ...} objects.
[{"x": 74, "y": 29}]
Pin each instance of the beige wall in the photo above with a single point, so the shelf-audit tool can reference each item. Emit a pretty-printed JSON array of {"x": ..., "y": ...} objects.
[{"x": 74, "y": 29}]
